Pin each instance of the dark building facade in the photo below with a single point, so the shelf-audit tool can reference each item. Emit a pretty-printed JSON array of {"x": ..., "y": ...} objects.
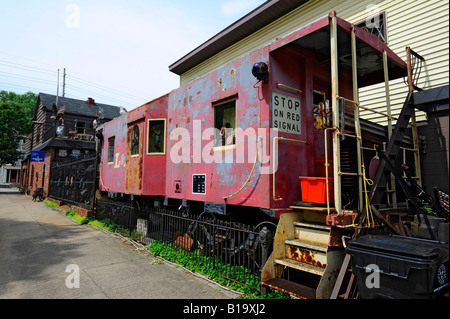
[{"x": 62, "y": 128}]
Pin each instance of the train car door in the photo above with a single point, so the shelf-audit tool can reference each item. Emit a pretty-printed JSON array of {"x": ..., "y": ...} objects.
[{"x": 135, "y": 150}]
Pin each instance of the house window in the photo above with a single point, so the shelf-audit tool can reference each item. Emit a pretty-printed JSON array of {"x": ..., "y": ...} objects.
[
  {"x": 80, "y": 127},
  {"x": 375, "y": 24},
  {"x": 156, "y": 141},
  {"x": 225, "y": 123},
  {"x": 111, "y": 150},
  {"x": 134, "y": 141}
]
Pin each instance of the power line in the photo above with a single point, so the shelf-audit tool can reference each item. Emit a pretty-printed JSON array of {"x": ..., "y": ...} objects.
[
  {"x": 110, "y": 82},
  {"x": 19, "y": 66},
  {"x": 105, "y": 97},
  {"x": 27, "y": 78},
  {"x": 104, "y": 88},
  {"x": 22, "y": 87},
  {"x": 25, "y": 67}
]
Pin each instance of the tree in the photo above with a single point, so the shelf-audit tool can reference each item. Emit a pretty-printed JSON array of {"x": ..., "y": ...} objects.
[{"x": 16, "y": 113}]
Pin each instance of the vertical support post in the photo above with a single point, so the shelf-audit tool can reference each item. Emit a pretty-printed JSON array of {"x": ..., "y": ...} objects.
[
  {"x": 356, "y": 120},
  {"x": 64, "y": 83},
  {"x": 335, "y": 111},
  {"x": 266, "y": 239},
  {"x": 413, "y": 121},
  {"x": 388, "y": 111},
  {"x": 57, "y": 90}
]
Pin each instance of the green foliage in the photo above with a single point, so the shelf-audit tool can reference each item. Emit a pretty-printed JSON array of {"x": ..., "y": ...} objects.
[
  {"x": 16, "y": 113},
  {"x": 426, "y": 207},
  {"x": 79, "y": 219},
  {"x": 214, "y": 269},
  {"x": 50, "y": 203}
]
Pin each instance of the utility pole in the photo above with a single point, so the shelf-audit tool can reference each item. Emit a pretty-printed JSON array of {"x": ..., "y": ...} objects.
[
  {"x": 64, "y": 83},
  {"x": 57, "y": 90}
]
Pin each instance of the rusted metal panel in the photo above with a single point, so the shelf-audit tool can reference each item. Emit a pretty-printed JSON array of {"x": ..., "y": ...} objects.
[
  {"x": 134, "y": 162},
  {"x": 307, "y": 256}
]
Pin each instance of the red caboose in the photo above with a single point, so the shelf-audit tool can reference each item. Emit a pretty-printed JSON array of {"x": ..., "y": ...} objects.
[{"x": 237, "y": 139}]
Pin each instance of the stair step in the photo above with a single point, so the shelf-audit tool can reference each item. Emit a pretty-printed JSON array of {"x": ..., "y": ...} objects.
[
  {"x": 312, "y": 225},
  {"x": 292, "y": 288},
  {"x": 300, "y": 266},
  {"x": 312, "y": 232},
  {"x": 307, "y": 244}
]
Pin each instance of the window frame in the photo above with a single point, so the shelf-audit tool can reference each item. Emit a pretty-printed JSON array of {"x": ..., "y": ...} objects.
[
  {"x": 215, "y": 105},
  {"x": 382, "y": 15},
  {"x": 80, "y": 127},
  {"x": 113, "y": 138},
  {"x": 163, "y": 138},
  {"x": 133, "y": 144}
]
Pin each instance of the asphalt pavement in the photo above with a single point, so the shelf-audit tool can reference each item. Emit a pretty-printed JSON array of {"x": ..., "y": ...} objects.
[{"x": 46, "y": 255}]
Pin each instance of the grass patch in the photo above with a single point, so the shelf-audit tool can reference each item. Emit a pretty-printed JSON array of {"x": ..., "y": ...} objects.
[
  {"x": 50, "y": 203},
  {"x": 198, "y": 263},
  {"x": 79, "y": 219}
]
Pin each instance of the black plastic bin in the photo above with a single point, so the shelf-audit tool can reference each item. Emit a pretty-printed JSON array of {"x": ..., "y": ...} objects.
[{"x": 399, "y": 267}]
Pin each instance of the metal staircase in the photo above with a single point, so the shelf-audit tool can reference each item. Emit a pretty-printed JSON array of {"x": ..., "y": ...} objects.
[
  {"x": 392, "y": 150},
  {"x": 304, "y": 244}
]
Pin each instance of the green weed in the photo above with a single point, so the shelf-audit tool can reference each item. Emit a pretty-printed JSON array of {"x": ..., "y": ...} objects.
[{"x": 214, "y": 269}]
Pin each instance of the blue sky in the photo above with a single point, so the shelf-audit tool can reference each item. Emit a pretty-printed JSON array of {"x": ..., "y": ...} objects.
[{"x": 117, "y": 52}]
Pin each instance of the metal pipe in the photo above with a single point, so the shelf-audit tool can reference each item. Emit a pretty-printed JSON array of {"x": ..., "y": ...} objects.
[
  {"x": 249, "y": 176},
  {"x": 326, "y": 170},
  {"x": 377, "y": 112},
  {"x": 289, "y": 87},
  {"x": 356, "y": 118},
  {"x": 335, "y": 109},
  {"x": 384, "y": 221}
]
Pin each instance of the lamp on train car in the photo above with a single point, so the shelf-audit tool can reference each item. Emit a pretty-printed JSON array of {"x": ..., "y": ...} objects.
[{"x": 260, "y": 71}]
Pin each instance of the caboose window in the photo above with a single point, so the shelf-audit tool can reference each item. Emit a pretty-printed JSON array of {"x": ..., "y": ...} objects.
[
  {"x": 134, "y": 141},
  {"x": 111, "y": 150},
  {"x": 156, "y": 141},
  {"x": 225, "y": 124},
  {"x": 318, "y": 97}
]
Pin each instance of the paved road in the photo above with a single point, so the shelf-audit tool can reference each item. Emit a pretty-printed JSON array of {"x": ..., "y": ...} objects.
[{"x": 37, "y": 243}]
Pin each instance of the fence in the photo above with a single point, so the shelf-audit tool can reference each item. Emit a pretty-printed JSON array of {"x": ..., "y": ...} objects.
[
  {"x": 73, "y": 181},
  {"x": 233, "y": 250}
]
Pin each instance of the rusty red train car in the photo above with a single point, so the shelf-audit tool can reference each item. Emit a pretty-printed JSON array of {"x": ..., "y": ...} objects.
[{"x": 237, "y": 139}]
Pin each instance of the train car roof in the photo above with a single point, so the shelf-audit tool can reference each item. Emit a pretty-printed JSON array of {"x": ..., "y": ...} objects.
[
  {"x": 369, "y": 49},
  {"x": 263, "y": 15},
  {"x": 315, "y": 36}
]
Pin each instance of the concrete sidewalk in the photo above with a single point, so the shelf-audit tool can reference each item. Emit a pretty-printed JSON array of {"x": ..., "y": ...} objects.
[{"x": 37, "y": 243}]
